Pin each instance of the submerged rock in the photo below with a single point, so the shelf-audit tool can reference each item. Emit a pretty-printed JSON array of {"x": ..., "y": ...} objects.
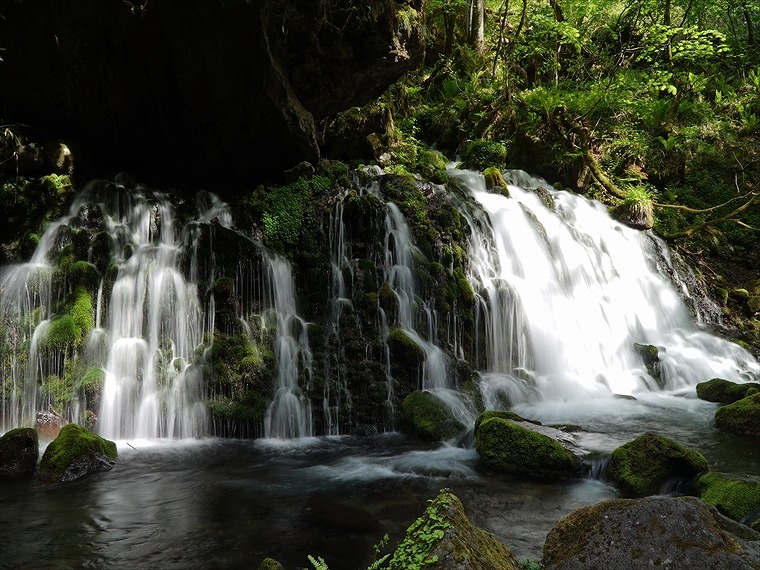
[
  {"x": 725, "y": 391},
  {"x": 641, "y": 467},
  {"x": 443, "y": 538},
  {"x": 661, "y": 532},
  {"x": 76, "y": 453},
  {"x": 735, "y": 497},
  {"x": 742, "y": 417},
  {"x": 509, "y": 448},
  {"x": 19, "y": 450}
]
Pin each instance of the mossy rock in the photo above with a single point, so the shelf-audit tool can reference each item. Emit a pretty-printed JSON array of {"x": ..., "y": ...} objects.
[
  {"x": 270, "y": 564},
  {"x": 753, "y": 287},
  {"x": 735, "y": 497},
  {"x": 482, "y": 154},
  {"x": 443, "y": 538},
  {"x": 742, "y": 417},
  {"x": 650, "y": 354},
  {"x": 741, "y": 295},
  {"x": 724, "y": 391},
  {"x": 76, "y": 453},
  {"x": 652, "y": 532},
  {"x": 503, "y": 414},
  {"x": 495, "y": 181},
  {"x": 640, "y": 467},
  {"x": 509, "y": 448},
  {"x": 722, "y": 296},
  {"x": 62, "y": 332},
  {"x": 404, "y": 350},
  {"x": 429, "y": 418},
  {"x": 19, "y": 451}
]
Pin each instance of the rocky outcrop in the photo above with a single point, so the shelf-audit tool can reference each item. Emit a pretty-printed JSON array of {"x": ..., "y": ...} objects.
[
  {"x": 19, "y": 451},
  {"x": 741, "y": 417},
  {"x": 76, "y": 453},
  {"x": 640, "y": 467},
  {"x": 212, "y": 91},
  {"x": 725, "y": 391},
  {"x": 517, "y": 449},
  {"x": 443, "y": 538},
  {"x": 667, "y": 533}
]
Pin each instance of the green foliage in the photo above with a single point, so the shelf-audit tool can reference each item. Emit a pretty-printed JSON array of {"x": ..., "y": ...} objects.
[
  {"x": 482, "y": 154},
  {"x": 414, "y": 552}
]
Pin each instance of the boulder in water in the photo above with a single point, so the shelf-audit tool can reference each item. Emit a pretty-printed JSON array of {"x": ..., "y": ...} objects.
[
  {"x": 19, "y": 450},
  {"x": 641, "y": 467},
  {"x": 509, "y": 448},
  {"x": 734, "y": 496},
  {"x": 724, "y": 391},
  {"x": 742, "y": 417},
  {"x": 429, "y": 418},
  {"x": 443, "y": 538},
  {"x": 654, "y": 532},
  {"x": 76, "y": 453}
]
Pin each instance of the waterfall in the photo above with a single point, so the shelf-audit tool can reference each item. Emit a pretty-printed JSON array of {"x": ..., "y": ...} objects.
[
  {"x": 289, "y": 414},
  {"x": 565, "y": 292}
]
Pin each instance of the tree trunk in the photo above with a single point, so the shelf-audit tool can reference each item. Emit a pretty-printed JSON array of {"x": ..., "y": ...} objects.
[
  {"x": 750, "y": 27},
  {"x": 479, "y": 26}
]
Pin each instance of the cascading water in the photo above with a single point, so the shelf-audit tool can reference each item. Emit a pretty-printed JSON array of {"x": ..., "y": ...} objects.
[
  {"x": 565, "y": 293},
  {"x": 399, "y": 274},
  {"x": 289, "y": 414}
]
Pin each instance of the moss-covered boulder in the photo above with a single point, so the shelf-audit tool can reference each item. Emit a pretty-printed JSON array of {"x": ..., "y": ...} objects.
[
  {"x": 427, "y": 417},
  {"x": 481, "y": 154},
  {"x": 76, "y": 453},
  {"x": 742, "y": 417},
  {"x": 404, "y": 351},
  {"x": 503, "y": 414},
  {"x": 724, "y": 391},
  {"x": 443, "y": 538},
  {"x": 19, "y": 450},
  {"x": 653, "y": 532},
  {"x": 734, "y": 496},
  {"x": 650, "y": 354},
  {"x": 640, "y": 467},
  {"x": 509, "y": 448}
]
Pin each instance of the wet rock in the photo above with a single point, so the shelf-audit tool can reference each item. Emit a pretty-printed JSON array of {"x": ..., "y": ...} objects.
[
  {"x": 19, "y": 450},
  {"x": 725, "y": 391},
  {"x": 661, "y": 532},
  {"x": 429, "y": 418},
  {"x": 49, "y": 424},
  {"x": 650, "y": 354},
  {"x": 641, "y": 467},
  {"x": 511, "y": 448},
  {"x": 742, "y": 417},
  {"x": 734, "y": 496},
  {"x": 76, "y": 453},
  {"x": 443, "y": 538}
]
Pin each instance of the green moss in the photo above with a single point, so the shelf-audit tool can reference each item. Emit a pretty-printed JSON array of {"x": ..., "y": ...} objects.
[
  {"x": 722, "y": 296},
  {"x": 741, "y": 417},
  {"x": 19, "y": 450},
  {"x": 62, "y": 332},
  {"x": 427, "y": 417},
  {"x": 734, "y": 497},
  {"x": 509, "y": 448},
  {"x": 388, "y": 301},
  {"x": 404, "y": 349},
  {"x": 503, "y": 414},
  {"x": 641, "y": 466},
  {"x": 93, "y": 379},
  {"x": 270, "y": 564},
  {"x": 724, "y": 391},
  {"x": 73, "y": 444},
  {"x": 741, "y": 295},
  {"x": 482, "y": 154},
  {"x": 495, "y": 180},
  {"x": 82, "y": 313}
]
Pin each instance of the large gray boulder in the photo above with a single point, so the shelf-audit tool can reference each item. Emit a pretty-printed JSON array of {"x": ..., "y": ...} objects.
[{"x": 668, "y": 533}]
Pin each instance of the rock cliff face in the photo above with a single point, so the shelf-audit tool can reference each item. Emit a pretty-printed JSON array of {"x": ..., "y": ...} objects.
[{"x": 211, "y": 91}]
